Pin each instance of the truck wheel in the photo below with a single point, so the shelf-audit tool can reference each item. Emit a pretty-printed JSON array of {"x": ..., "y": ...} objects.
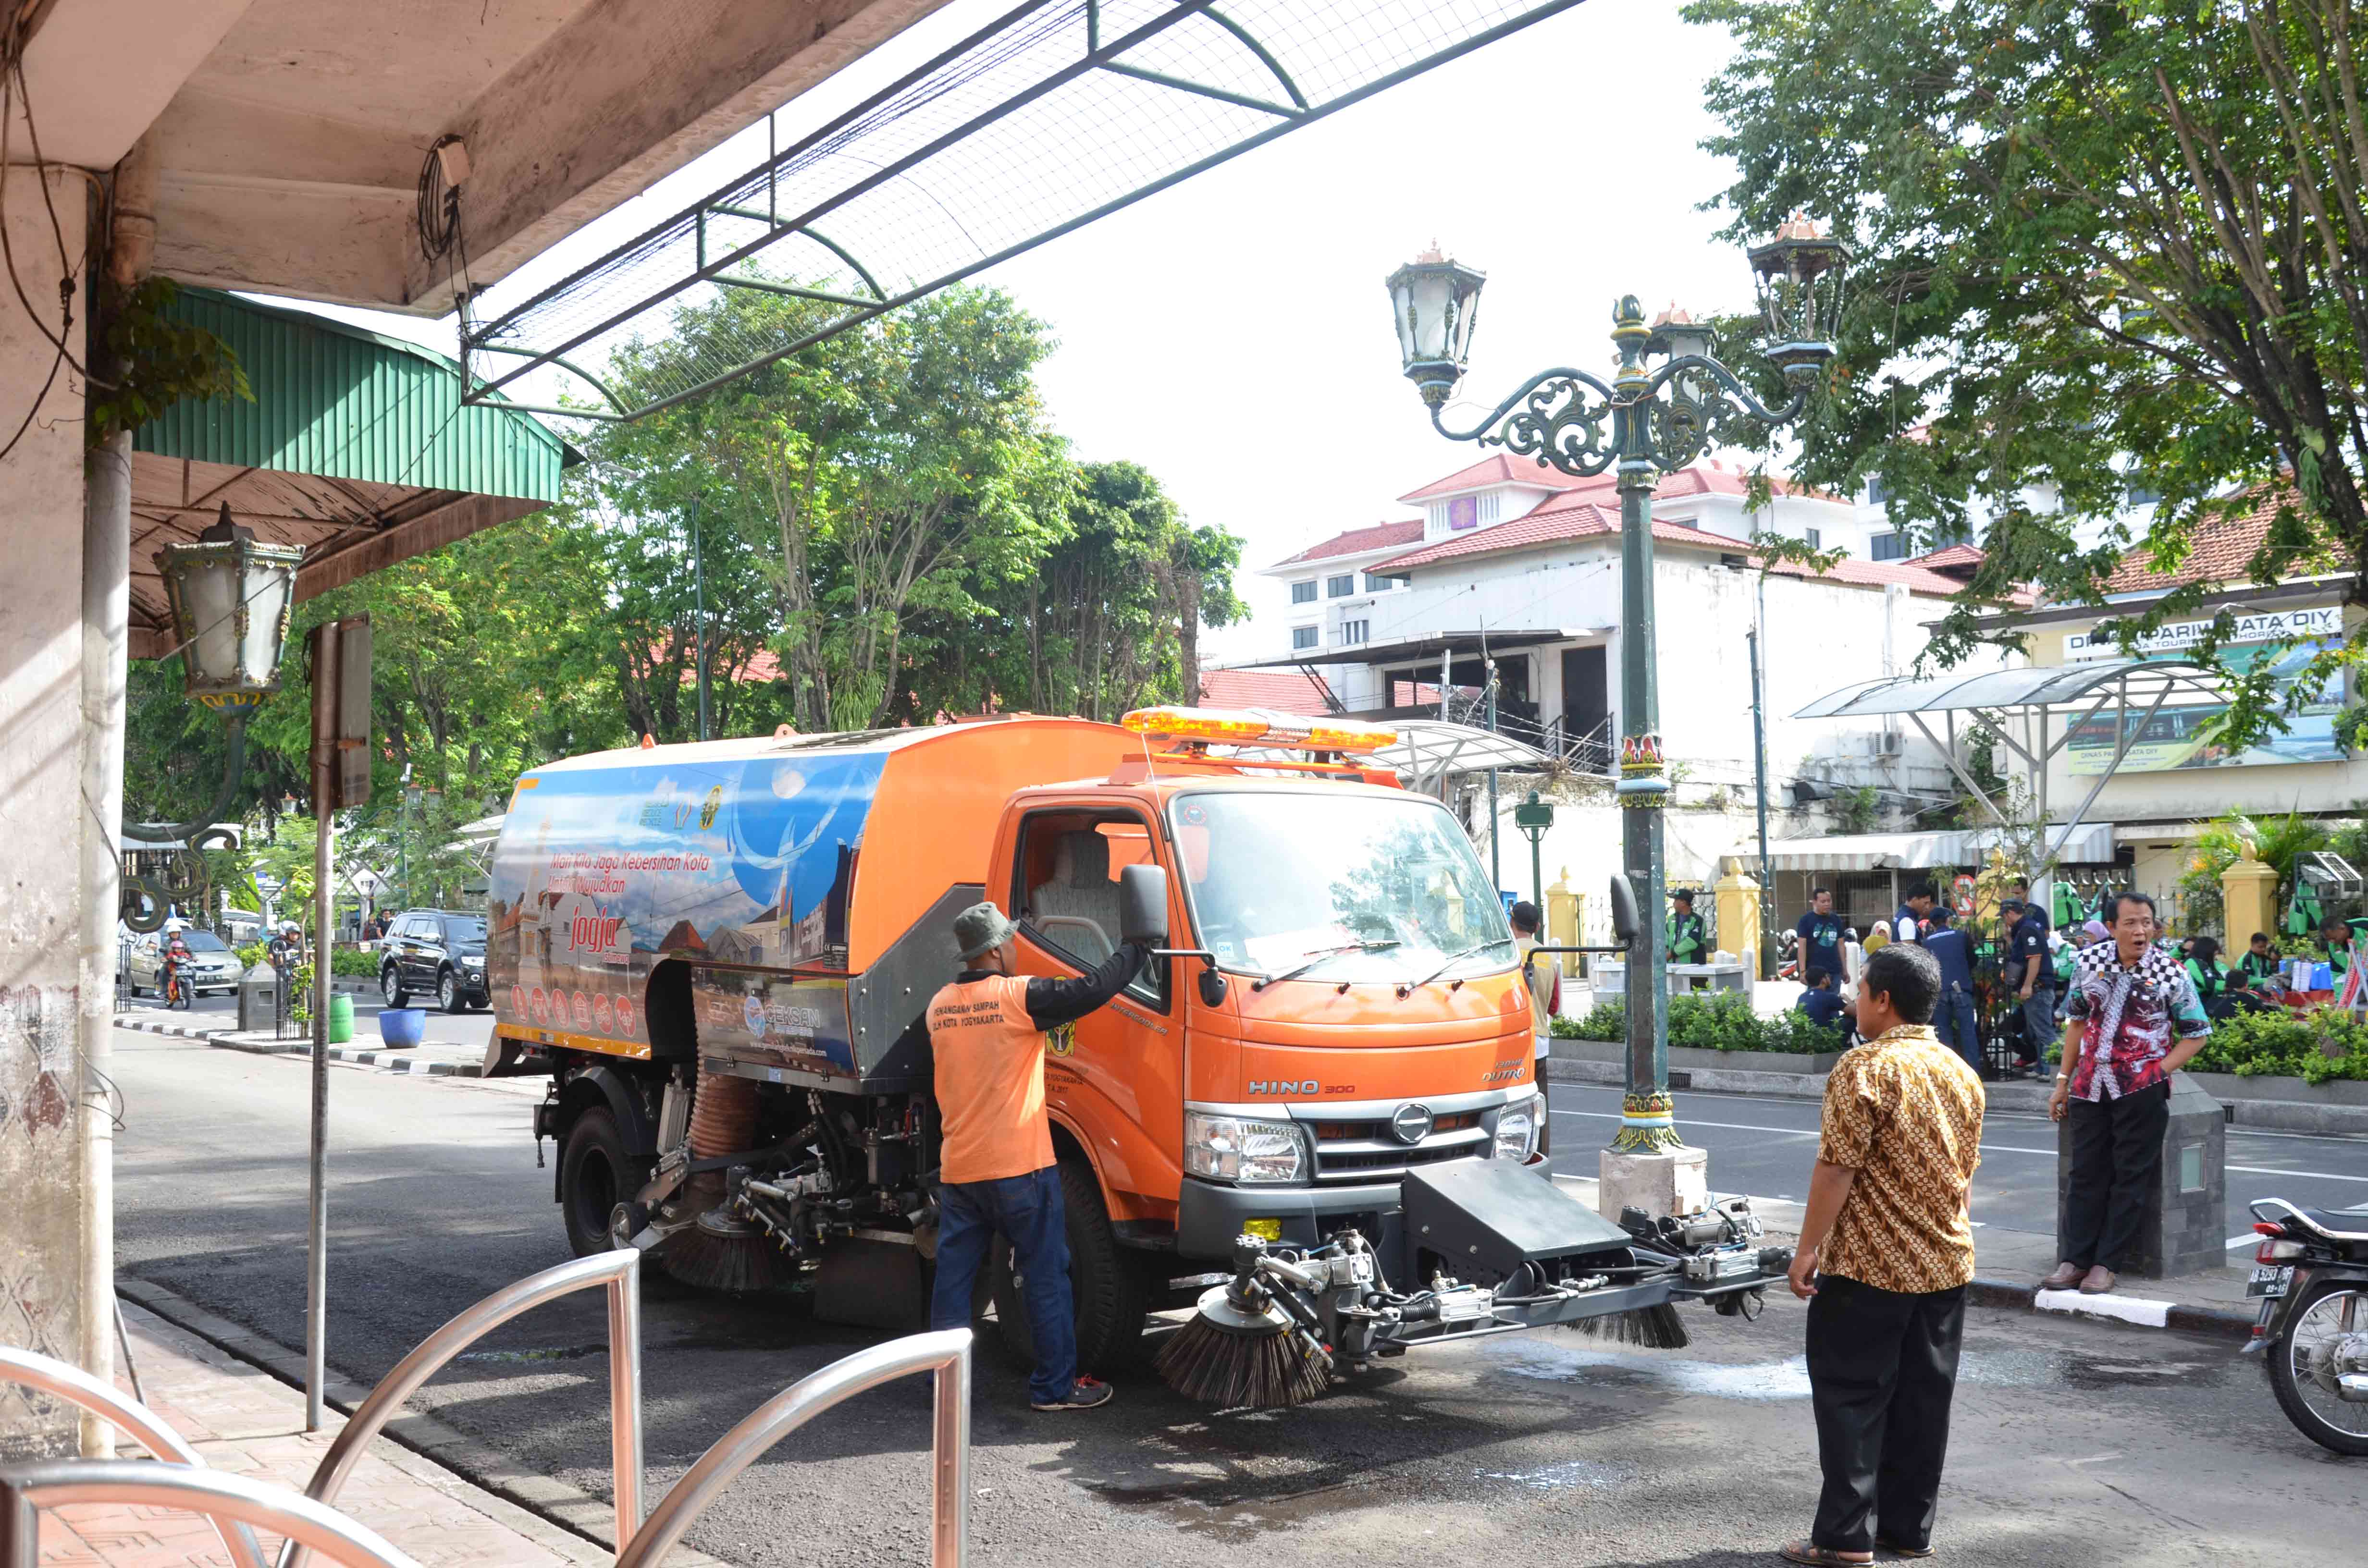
[
  {"x": 594, "y": 1176},
  {"x": 1106, "y": 1282}
]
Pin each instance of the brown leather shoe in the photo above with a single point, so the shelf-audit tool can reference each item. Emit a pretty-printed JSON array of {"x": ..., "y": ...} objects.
[
  {"x": 2099, "y": 1280},
  {"x": 2067, "y": 1274}
]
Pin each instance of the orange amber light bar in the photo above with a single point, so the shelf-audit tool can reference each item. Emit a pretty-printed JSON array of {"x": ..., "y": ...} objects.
[
  {"x": 1238, "y": 728},
  {"x": 1197, "y": 725}
]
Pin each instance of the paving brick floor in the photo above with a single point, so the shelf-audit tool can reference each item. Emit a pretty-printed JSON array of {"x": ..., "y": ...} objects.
[{"x": 244, "y": 1420}]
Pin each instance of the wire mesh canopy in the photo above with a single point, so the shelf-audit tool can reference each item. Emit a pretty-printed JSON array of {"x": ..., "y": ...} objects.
[{"x": 1056, "y": 113}]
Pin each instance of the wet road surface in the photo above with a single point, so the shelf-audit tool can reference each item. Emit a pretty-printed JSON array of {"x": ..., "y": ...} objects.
[{"x": 2074, "y": 1444}]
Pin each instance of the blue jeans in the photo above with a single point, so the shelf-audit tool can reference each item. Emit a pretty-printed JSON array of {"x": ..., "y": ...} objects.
[
  {"x": 1029, "y": 1213},
  {"x": 1958, "y": 1027}
]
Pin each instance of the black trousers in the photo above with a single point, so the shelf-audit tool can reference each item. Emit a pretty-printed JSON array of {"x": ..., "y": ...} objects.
[
  {"x": 2116, "y": 1160},
  {"x": 1882, "y": 1368}
]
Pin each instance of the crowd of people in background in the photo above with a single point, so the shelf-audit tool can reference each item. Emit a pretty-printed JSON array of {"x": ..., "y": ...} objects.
[{"x": 2037, "y": 965}]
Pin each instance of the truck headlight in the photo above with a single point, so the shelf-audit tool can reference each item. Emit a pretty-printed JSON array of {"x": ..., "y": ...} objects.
[
  {"x": 1229, "y": 1148},
  {"x": 1517, "y": 1129}
]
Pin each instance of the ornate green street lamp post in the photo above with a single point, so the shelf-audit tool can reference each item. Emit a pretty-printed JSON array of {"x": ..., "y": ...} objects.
[{"x": 1646, "y": 423}]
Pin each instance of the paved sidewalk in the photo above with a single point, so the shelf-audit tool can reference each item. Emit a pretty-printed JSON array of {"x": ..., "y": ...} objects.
[{"x": 243, "y": 1420}]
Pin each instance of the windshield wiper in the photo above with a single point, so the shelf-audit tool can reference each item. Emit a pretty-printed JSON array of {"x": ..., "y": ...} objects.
[
  {"x": 1317, "y": 958},
  {"x": 1450, "y": 963}
]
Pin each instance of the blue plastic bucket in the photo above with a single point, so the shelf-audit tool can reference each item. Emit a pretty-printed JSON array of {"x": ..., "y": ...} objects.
[{"x": 401, "y": 1026}]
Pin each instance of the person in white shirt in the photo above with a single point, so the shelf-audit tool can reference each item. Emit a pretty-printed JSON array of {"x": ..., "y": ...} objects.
[{"x": 1545, "y": 1001}]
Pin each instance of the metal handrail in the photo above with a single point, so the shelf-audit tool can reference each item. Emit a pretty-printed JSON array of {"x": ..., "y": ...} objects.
[
  {"x": 945, "y": 1352},
  {"x": 620, "y": 1272},
  {"x": 27, "y": 1489},
  {"x": 130, "y": 1417}
]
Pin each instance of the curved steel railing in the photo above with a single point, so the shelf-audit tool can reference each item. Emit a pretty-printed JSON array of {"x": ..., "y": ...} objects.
[
  {"x": 27, "y": 1489},
  {"x": 946, "y": 1352},
  {"x": 620, "y": 1272},
  {"x": 131, "y": 1418}
]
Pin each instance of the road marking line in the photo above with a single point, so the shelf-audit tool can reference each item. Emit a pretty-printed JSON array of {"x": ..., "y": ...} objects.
[
  {"x": 1987, "y": 1148},
  {"x": 2248, "y": 1239},
  {"x": 2234, "y": 1132}
]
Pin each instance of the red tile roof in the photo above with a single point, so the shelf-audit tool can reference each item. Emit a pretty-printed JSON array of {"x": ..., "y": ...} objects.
[
  {"x": 1503, "y": 468},
  {"x": 1561, "y": 521},
  {"x": 1957, "y": 561},
  {"x": 1381, "y": 536},
  {"x": 1285, "y": 691},
  {"x": 2218, "y": 551}
]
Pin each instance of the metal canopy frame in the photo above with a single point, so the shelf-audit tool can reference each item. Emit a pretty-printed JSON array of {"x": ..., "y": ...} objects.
[
  {"x": 2031, "y": 694},
  {"x": 1055, "y": 114}
]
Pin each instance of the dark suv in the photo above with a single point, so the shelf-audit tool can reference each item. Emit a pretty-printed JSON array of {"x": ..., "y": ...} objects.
[{"x": 441, "y": 952}]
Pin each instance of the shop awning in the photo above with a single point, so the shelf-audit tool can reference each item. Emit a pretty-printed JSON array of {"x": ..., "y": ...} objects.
[
  {"x": 2087, "y": 843},
  {"x": 356, "y": 446}
]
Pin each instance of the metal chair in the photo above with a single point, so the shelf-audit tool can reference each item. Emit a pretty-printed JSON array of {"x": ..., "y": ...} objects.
[
  {"x": 25, "y": 1490},
  {"x": 130, "y": 1417}
]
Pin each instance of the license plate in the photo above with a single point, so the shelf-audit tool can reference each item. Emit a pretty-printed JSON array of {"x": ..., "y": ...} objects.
[{"x": 2270, "y": 1280}]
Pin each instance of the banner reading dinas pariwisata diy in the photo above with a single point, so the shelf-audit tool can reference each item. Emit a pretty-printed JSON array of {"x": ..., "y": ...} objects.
[{"x": 2180, "y": 735}]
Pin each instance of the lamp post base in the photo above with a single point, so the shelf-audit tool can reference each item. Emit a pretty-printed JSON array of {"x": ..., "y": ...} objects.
[{"x": 1664, "y": 1181}]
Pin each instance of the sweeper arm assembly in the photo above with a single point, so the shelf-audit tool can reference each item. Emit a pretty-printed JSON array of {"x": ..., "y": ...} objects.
[{"x": 1486, "y": 1248}]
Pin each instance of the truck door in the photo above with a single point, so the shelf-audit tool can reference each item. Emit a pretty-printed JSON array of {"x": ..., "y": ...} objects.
[{"x": 1116, "y": 1075}]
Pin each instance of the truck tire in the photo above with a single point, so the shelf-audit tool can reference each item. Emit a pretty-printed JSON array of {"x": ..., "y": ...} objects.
[
  {"x": 1106, "y": 1283},
  {"x": 596, "y": 1173}
]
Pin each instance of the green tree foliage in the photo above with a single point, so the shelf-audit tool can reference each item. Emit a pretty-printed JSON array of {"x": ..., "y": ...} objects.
[
  {"x": 2097, "y": 244},
  {"x": 876, "y": 529}
]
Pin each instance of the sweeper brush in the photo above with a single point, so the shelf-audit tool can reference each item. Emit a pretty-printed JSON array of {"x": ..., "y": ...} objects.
[
  {"x": 1655, "y": 1328},
  {"x": 1244, "y": 1349}
]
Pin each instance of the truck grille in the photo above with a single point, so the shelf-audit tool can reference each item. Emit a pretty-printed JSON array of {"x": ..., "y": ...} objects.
[{"x": 1366, "y": 1150}]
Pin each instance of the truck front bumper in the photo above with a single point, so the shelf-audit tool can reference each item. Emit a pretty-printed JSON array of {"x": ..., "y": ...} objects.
[{"x": 1209, "y": 1216}]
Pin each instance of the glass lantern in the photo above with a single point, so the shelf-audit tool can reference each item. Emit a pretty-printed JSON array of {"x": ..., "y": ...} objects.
[
  {"x": 1435, "y": 303},
  {"x": 1799, "y": 277},
  {"x": 230, "y": 598}
]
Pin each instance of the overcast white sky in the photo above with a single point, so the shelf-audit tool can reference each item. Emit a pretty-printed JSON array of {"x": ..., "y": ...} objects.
[{"x": 1232, "y": 334}]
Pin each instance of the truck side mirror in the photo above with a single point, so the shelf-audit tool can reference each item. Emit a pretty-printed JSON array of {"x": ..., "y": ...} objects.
[
  {"x": 1625, "y": 924},
  {"x": 1143, "y": 905}
]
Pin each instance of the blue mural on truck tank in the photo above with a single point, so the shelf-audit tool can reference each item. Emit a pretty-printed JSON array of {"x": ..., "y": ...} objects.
[{"x": 603, "y": 872}]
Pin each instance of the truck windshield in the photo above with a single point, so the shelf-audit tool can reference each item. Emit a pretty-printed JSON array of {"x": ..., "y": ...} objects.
[{"x": 1369, "y": 889}]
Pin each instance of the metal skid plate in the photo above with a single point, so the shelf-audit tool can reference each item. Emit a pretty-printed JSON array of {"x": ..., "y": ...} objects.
[{"x": 1490, "y": 1217}]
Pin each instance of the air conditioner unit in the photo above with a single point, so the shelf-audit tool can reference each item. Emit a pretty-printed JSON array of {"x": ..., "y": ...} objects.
[{"x": 1887, "y": 743}]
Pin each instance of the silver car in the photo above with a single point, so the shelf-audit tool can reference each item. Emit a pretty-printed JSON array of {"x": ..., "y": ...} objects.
[{"x": 212, "y": 966}]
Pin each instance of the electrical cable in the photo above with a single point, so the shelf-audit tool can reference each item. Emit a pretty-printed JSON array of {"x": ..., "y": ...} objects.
[{"x": 440, "y": 204}]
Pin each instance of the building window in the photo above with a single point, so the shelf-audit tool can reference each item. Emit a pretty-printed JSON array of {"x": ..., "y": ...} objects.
[
  {"x": 1877, "y": 493},
  {"x": 1887, "y": 547},
  {"x": 1340, "y": 587},
  {"x": 1353, "y": 633},
  {"x": 1381, "y": 585},
  {"x": 1815, "y": 538},
  {"x": 2143, "y": 495},
  {"x": 1304, "y": 593},
  {"x": 1302, "y": 636}
]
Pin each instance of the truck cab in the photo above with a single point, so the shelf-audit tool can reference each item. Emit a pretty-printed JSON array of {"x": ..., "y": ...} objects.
[{"x": 721, "y": 956}]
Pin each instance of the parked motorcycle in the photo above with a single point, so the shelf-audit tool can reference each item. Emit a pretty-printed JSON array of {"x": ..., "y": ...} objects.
[{"x": 2311, "y": 1273}]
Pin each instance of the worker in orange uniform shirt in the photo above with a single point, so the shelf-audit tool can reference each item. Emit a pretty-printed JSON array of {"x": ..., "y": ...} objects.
[{"x": 996, "y": 1170}]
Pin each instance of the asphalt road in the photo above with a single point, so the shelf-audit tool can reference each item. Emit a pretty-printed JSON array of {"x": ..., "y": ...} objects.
[
  {"x": 1764, "y": 1147},
  {"x": 2073, "y": 1443}
]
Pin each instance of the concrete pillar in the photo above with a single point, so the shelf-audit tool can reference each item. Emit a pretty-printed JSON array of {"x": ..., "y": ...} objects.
[
  {"x": 44, "y": 1243},
  {"x": 2248, "y": 898},
  {"x": 1738, "y": 914}
]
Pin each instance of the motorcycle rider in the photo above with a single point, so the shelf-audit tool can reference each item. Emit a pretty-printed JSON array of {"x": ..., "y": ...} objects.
[{"x": 175, "y": 954}]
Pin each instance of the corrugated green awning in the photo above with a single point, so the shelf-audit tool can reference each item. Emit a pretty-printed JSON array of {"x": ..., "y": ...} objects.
[{"x": 356, "y": 448}]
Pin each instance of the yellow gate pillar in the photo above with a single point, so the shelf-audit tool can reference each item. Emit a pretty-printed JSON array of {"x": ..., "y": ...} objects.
[
  {"x": 2249, "y": 896},
  {"x": 1738, "y": 914},
  {"x": 1563, "y": 912}
]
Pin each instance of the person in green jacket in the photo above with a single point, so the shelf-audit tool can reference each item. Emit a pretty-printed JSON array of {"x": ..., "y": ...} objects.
[
  {"x": 1688, "y": 937},
  {"x": 2259, "y": 966},
  {"x": 2216, "y": 986},
  {"x": 2337, "y": 938}
]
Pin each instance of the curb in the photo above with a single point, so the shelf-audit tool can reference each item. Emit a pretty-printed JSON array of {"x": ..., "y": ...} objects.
[
  {"x": 546, "y": 1502},
  {"x": 374, "y": 1056},
  {"x": 2189, "y": 1318}
]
